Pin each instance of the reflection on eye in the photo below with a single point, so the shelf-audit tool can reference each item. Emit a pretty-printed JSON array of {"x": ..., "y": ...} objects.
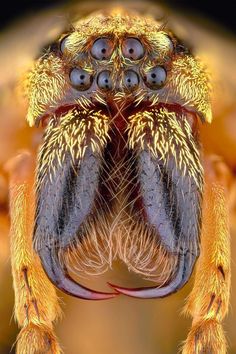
[
  {"x": 132, "y": 49},
  {"x": 169, "y": 44},
  {"x": 63, "y": 44},
  {"x": 104, "y": 80},
  {"x": 102, "y": 49},
  {"x": 131, "y": 79},
  {"x": 156, "y": 77},
  {"x": 81, "y": 79}
]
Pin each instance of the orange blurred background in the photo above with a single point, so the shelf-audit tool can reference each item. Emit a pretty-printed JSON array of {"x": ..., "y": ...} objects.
[{"x": 122, "y": 325}]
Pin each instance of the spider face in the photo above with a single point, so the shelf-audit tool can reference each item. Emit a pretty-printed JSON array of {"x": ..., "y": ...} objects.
[
  {"x": 120, "y": 152},
  {"x": 114, "y": 58}
]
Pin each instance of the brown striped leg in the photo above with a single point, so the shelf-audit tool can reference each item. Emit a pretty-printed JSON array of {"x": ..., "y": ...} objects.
[
  {"x": 209, "y": 300},
  {"x": 36, "y": 303}
]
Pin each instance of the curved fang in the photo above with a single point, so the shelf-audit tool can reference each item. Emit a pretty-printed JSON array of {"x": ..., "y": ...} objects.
[
  {"x": 62, "y": 280},
  {"x": 185, "y": 268}
]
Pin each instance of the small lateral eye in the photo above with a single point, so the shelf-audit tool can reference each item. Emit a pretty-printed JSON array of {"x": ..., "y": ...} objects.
[
  {"x": 104, "y": 80},
  {"x": 131, "y": 80},
  {"x": 169, "y": 44},
  {"x": 132, "y": 48},
  {"x": 80, "y": 79},
  {"x": 102, "y": 49},
  {"x": 63, "y": 44},
  {"x": 156, "y": 77}
]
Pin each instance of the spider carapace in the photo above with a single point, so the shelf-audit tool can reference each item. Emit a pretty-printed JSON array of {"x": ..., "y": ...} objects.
[{"x": 119, "y": 175}]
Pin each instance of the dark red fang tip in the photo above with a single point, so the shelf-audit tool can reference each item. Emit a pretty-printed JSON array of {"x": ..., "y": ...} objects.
[
  {"x": 183, "y": 273},
  {"x": 59, "y": 276},
  {"x": 141, "y": 293},
  {"x": 74, "y": 289}
]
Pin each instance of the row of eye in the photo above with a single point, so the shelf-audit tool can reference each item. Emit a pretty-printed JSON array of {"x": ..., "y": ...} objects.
[
  {"x": 154, "y": 79},
  {"x": 102, "y": 48}
]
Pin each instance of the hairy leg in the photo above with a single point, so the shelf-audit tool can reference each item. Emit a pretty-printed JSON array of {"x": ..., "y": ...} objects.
[
  {"x": 209, "y": 300},
  {"x": 36, "y": 303}
]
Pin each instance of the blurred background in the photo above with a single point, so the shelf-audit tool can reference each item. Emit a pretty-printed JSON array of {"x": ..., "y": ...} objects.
[
  {"x": 221, "y": 12},
  {"x": 121, "y": 326}
]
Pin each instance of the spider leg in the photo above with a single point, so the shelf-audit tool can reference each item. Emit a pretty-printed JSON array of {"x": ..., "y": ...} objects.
[
  {"x": 36, "y": 303},
  {"x": 209, "y": 300}
]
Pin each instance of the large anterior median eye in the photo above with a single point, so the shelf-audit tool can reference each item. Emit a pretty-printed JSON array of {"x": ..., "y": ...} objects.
[
  {"x": 131, "y": 80},
  {"x": 104, "y": 80},
  {"x": 132, "y": 49},
  {"x": 102, "y": 49},
  {"x": 80, "y": 79}
]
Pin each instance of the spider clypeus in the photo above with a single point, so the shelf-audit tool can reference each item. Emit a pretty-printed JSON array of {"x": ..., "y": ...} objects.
[{"x": 120, "y": 174}]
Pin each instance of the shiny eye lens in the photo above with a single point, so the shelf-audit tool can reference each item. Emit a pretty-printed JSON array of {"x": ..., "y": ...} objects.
[
  {"x": 132, "y": 49},
  {"x": 104, "y": 80},
  {"x": 156, "y": 77},
  {"x": 169, "y": 44},
  {"x": 131, "y": 79},
  {"x": 81, "y": 79},
  {"x": 63, "y": 44},
  {"x": 102, "y": 49}
]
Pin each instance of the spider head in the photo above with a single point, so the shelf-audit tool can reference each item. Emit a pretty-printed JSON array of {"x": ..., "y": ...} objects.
[
  {"x": 118, "y": 85},
  {"x": 115, "y": 58}
]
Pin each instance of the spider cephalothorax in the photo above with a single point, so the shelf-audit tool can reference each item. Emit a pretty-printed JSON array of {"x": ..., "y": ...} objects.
[
  {"x": 122, "y": 102},
  {"x": 120, "y": 174}
]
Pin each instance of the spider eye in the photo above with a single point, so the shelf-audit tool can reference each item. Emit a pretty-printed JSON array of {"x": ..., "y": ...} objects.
[
  {"x": 80, "y": 79},
  {"x": 104, "y": 80},
  {"x": 132, "y": 49},
  {"x": 63, "y": 44},
  {"x": 156, "y": 77},
  {"x": 102, "y": 49},
  {"x": 131, "y": 79},
  {"x": 169, "y": 44}
]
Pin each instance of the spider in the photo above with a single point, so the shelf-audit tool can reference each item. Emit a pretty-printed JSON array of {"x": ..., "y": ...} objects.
[{"x": 120, "y": 173}]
